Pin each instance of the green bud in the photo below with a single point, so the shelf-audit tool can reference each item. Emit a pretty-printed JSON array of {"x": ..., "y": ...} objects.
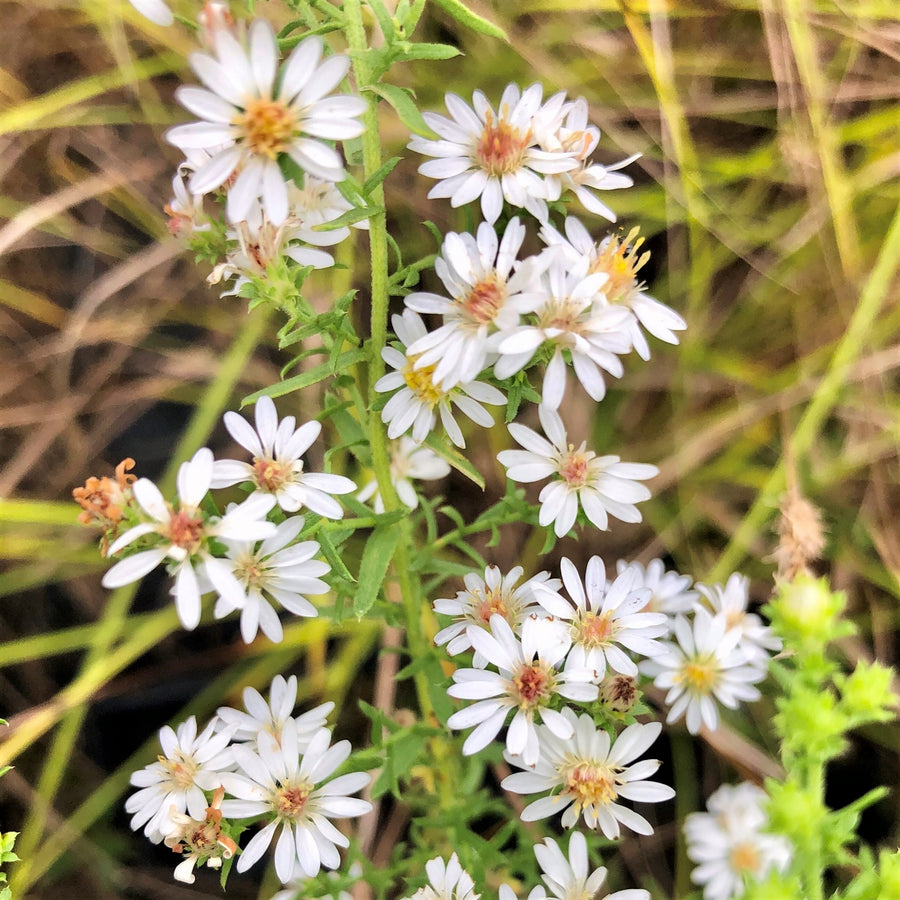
[
  {"x": 775, "y": 887},
  {"x": 889, "y": 872},
  {"x": 807, "y": 612},
  {"x": 811, "y": 724},
  {"x": 797, "y": 813}
]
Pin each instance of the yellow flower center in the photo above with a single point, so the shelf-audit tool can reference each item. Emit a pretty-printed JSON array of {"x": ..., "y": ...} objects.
[
  {"x": 485, "y": 299},
  {"x": 591, "y": 784},
  {"x": 290, "y": 799},
  {"x": 420, "y": 383},
  {"x": 699, "y": 676},
  {"x": 181, "y": 770},
  {"x": 271, "y": 475},
  {"x": 268, "y": 126},
  {"x": 619, "y": 260},
  {"x": 501, "y": 147}
]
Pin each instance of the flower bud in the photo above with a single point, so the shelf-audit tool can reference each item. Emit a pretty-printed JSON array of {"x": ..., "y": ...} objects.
[{"x": 619, "y": 693}]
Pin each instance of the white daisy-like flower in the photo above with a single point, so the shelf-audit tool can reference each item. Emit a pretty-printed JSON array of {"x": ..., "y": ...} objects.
[
  {"x": 495, "y": 594},
  {"x": 287, "y": 788},
  {"x": 492, "y": 155},
  {"x": 729, "y": 845},
  {"x": 269, "y": 718},
  {"x": 486, "y": 299},
  {"x": 413, "y": 405},
  {"x": 589, "y": 773},
  {"x": 190, "y": 764},
  {"x": 409, "y": 461},
  {"x": 157, "y": 11},
  {"x": 704, "y": 665},
  {"x": 757, "y": 640},
  {"x": 566, "y": 129},
  {"x": 446, "y": 881},
  {"x": 273, "y": 570},
  {"x": 570, "y": 878},
  {"x": 606, "y": 618},
  {"x": 619, "y": 259},
  {"x": 257, "y": 113},
  {"x": 670, "y": 592},
  {"x": 260, "y": 243},
  {"x": 527, "y": 679},
  {"x": 603, "y": 485},
  {"x": 277, "y": 467},
  {"x": 182, "y": 533},
  {"x": 591, "y": 334}
]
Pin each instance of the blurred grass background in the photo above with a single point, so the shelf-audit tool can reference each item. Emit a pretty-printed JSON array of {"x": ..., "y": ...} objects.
[{"x": 768, "y": 190}]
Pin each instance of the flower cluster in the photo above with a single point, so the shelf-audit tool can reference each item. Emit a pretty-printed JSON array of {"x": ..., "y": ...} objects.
[
  {"x": 729, "y": 842},
  {"x": 248, "y": 561},
  {"x": 262, "y": 764}
]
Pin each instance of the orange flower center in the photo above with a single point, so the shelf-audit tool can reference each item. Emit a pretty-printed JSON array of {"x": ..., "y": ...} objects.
[
  {"x": 181, "y": 769},
  {"x": 501, "y": 147},
  {"x": 593, "y": 630},
  {"x": 745, "y": 858},
  {"x": 532, "y": 683},
  {"x": 485, "y": 300},
  {"x": 493, "y": 603},
  {"x": 268, "y": 126},
  {"x": 574, "y": 466},
  {"x": 562, "y": 314},
  {"x": 186, "y": 530}
]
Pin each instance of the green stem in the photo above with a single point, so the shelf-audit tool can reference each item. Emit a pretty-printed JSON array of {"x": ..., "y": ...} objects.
[{"x": 378, "y": 443}]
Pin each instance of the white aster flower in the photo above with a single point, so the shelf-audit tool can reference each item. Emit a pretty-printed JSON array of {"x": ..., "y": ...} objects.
[
  {"x": 591, "y": 773},
  {"x": 486, "y": 299},
  {"x": 703, "y": 666},
  {"x": 528, "y": 677},
  {"x": 182, "y": 533},
  {"x": 591, "y": 334},
  {"x": 619, "y": 259},
  {"x": 413, "y": 406},
  {"x": 273, "y": 570},
  {"x": 446, "y": 881},
  {"x": 280, "y": 784},
  {"x": 409, "y": 461},
  {"x": 260, "y": 243},
  {"x": 492, "y": 155},
  {"x": 277, "y": 467},
  {"x": 568, "y": 878},
  {"x": 606, "y": 618},
  {"x": 155, "y": 10},
  {"x": 670, "y": 592},
  {"x": 603, "y": 485},
  {"x": 729, "y": 845},
  {"x": 190, "y": 764},
  {"x": 319, "y": 202},
  {"x": 568, "y": 131},
  {"x": 269, "y": 718},
  {"x": 185, "y": 210},
  {"x": 495, "y": 594},
  {"x": 757, "y": 640},
  {"x": 257, "y": 113}
]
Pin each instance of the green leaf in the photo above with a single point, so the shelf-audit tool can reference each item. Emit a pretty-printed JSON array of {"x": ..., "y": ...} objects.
[
  {"x": 455, "y": 458},
  {"x": 329, "y": 551},
  {"x": 375, "y": 561},
  {"x": 405, "y": 107},
  {"x": 345, "y": 361},
  {"x": 351, "y": 217},
  {"x": 457, "y": 10},
  {"x": 427, "y": 51},
  {"x": 378, "y": 176},
  {"x": 385, "y": 21}
]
